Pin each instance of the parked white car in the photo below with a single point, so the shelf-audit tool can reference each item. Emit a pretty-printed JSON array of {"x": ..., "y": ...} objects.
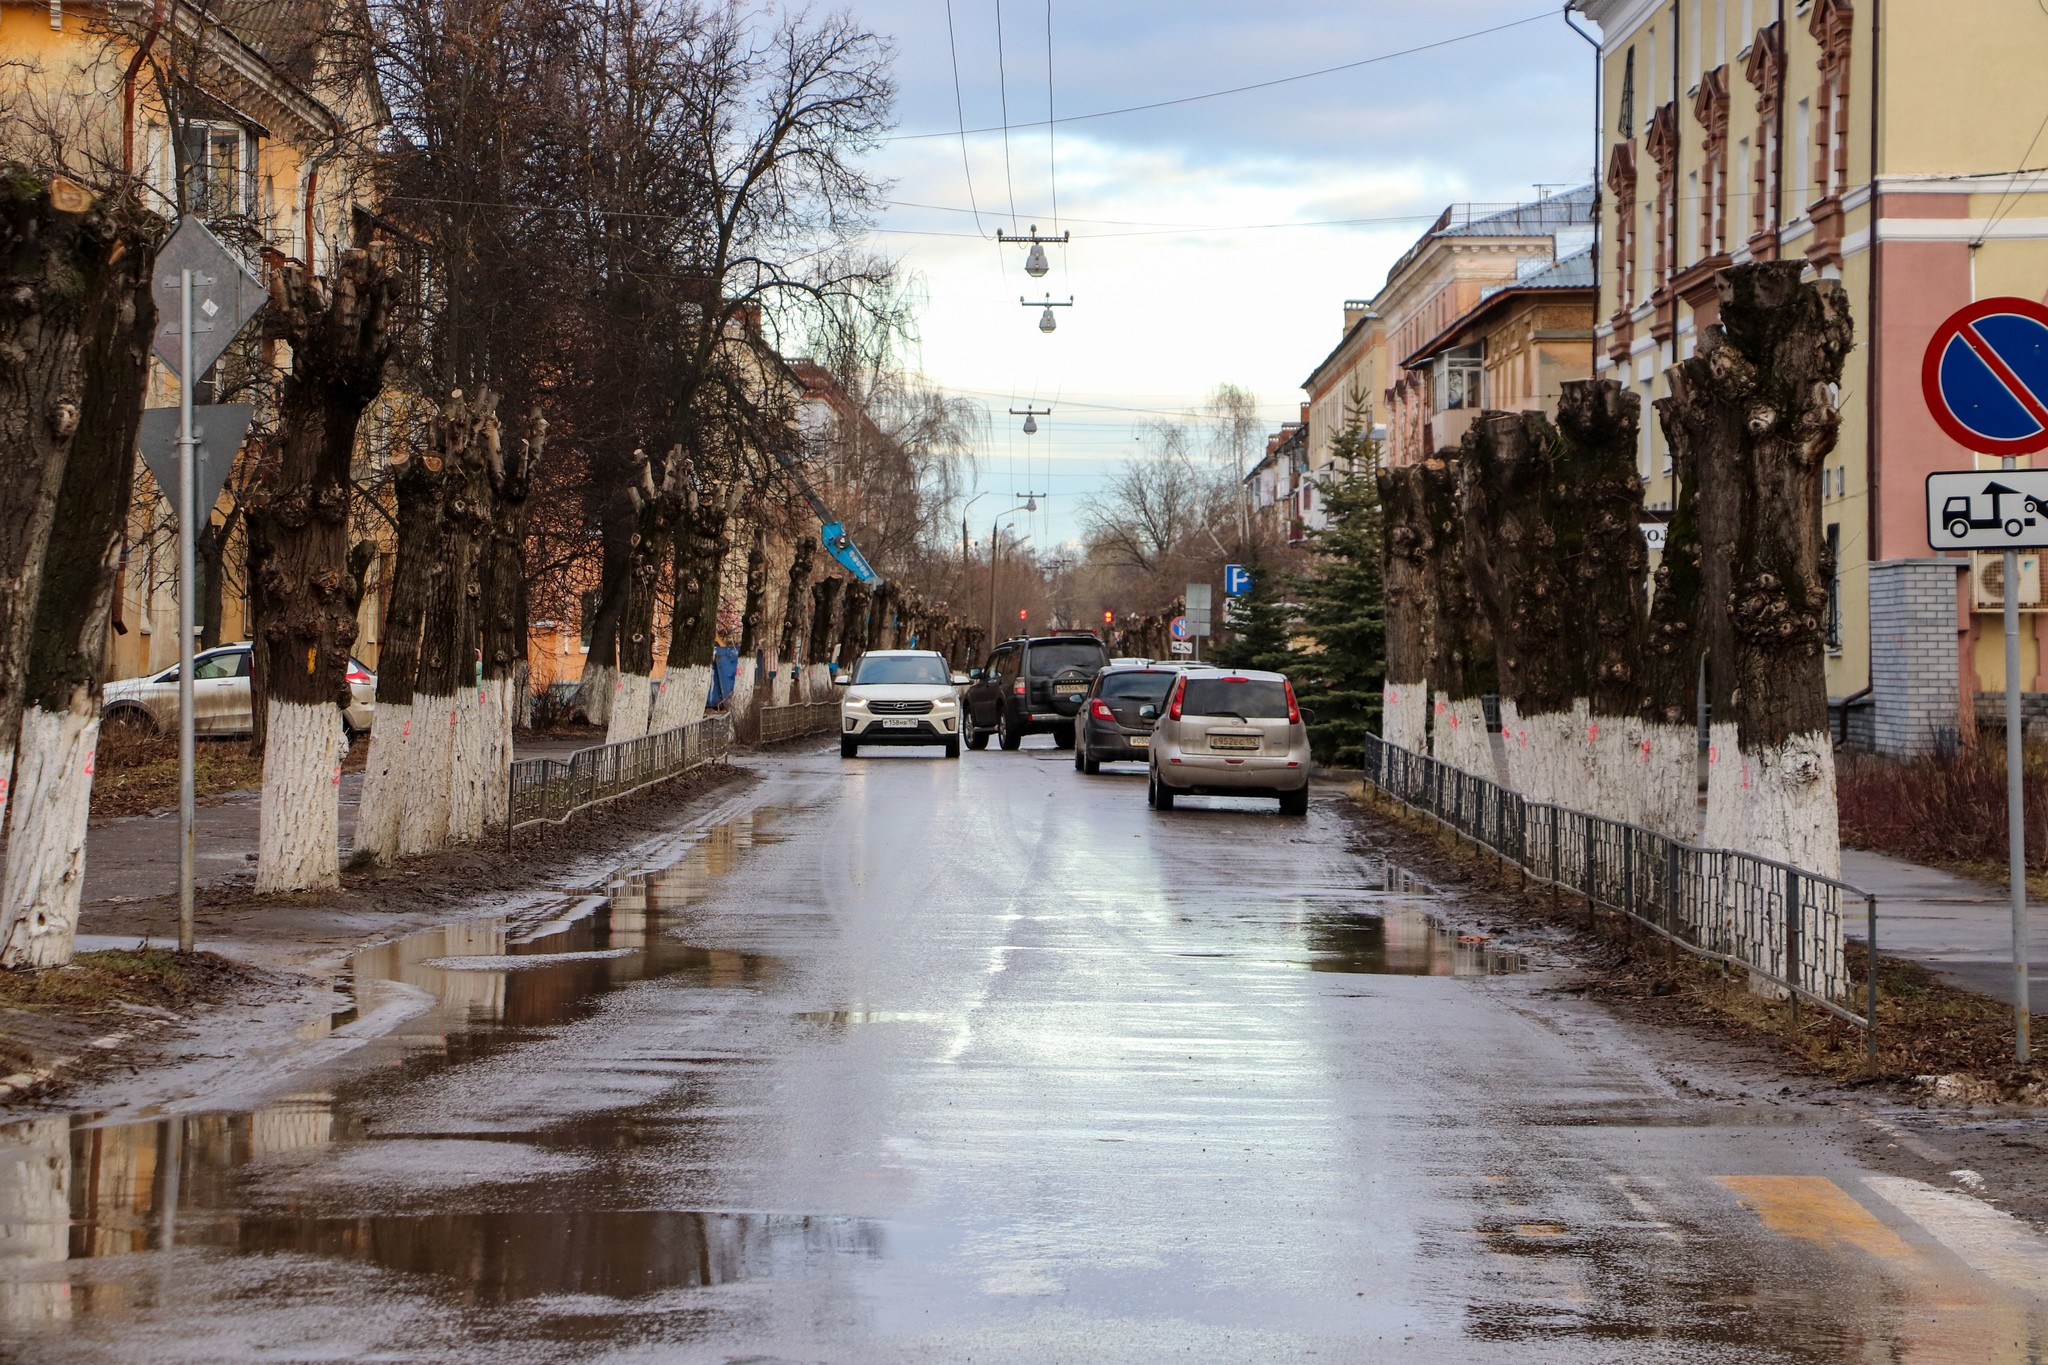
[
  {"x": 220, "y": 696},
  {"x": 900, "y": 696}
]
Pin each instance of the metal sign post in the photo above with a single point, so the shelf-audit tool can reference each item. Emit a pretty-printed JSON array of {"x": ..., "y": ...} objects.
[
  {"x": 1985, "y": 377},
  {"x": 216, "y": 299}
]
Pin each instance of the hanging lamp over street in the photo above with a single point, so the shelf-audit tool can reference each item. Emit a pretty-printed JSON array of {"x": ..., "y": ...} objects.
[
  {"x": 1035, "y": 264},
  {"x": 1047, "y": 322},
  {"x": 1030, "y": 426}
]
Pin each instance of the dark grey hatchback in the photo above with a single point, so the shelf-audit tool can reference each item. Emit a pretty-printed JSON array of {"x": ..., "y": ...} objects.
[{"x": 1115, "y": 724}]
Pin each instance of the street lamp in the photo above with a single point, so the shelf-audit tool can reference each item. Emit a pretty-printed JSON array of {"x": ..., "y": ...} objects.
[
  {"x": 1046, "y": 321},
  {"x": 1030, "y": 504},
  {"x": 1030, "y": 416}
]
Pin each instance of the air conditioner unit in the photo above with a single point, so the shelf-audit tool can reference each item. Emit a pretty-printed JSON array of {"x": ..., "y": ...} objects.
[{"x": 1987, "y": 577}]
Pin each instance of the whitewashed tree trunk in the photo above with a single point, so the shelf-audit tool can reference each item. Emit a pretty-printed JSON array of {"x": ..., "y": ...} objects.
[
  {"x": 477, "y": 714},
  {"x": 1544, "y": 752},
  {"x": 501, "y": 711},
  {"x": 1728, "y": 781},
  {"x": 1615, "y": 786},
  {"x": 1460, "y": 737},
  {"x": 632, "y": 708},
  {"x": 380, "y": 812},
  {"x": 817, "y": 682},
  {"x": 681, "y": 698},
  {"x": 742, "y": 700},
  {"x": 46, "y": 846},
  {"x": 35, "y": 1224},
  {"x": 6, "y": 776},
  {"x": 596, "y": 692},
  {"x": 299, "y": 848},
  {"x": 429, "y": 772},
  {"x": 779, "y": 684},
  {"x": 1671, "y": 780},
  {"x": 1405, "y": 717}
]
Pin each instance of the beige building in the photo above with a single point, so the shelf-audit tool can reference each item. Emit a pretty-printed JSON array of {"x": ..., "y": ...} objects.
[{"x": 1894, "y": 145}]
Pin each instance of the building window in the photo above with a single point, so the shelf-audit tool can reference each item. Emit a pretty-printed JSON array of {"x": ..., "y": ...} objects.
[
  {"x": 1458, "y": 377},
  {"x": 1834, "y": 554},
  {"x": 1627, "y": 126},
  {"x": 217, "y": 168}
]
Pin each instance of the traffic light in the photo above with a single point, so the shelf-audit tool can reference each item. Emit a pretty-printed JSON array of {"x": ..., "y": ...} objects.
[
  {"x": 1109, "y": 618},
  {"x": 1023, "y": 613}
]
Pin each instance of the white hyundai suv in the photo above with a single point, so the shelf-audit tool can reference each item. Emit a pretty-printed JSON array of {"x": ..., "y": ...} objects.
[{"x": 900, "y": 696}]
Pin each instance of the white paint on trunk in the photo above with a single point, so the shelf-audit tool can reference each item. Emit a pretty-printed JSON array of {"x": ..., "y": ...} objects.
[
  {"x": 1405, "y": 716},
  {"x": 46, "y": 846},
  {"x": 501, "y": 713},
  {"x": 1459, "y": 737},
  {"x": 6, "y": 775},
  {"x": 476, "y": 721},
  {"x": 817, "y": 682},
  {"x": 632, "y": 702},
  {"x": 299, "y": 845},
  {"x": 430, "y": 768},
  {"x": 380, "y": 813},
  {"x": 1544, "y": 755},
  {"x": 1790, "y": 815},
  {"x": 35, "y": 1222},
  {"x": 679, "y": 698},
  {"x": 741, "y": 703},
  {"x": 595, "y": 692},
  {"x": 1728, "y": 779},
  {"x": 1614, "y": 748},
  {"x": 780, "y": 683},
  {"x": 1671, "y": 780}
]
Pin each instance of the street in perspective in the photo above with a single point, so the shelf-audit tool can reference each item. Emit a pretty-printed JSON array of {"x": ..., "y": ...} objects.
[{"x": 1427, "y": 749}]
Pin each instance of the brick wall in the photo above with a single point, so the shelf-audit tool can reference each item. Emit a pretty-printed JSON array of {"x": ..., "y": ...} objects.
[{"x": 1913, "y": 680}]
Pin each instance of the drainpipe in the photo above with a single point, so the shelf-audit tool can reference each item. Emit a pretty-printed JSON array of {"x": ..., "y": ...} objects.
[
  {"x": 1599, "y": 199},
  {"x": 1671, "y": 233},
  {"x": 142, "y": 50},
  {"x": 1778, "y": 137},
  {"x": 1872, "y": 413}
]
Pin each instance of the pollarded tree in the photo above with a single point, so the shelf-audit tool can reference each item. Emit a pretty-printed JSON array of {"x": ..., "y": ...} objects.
[
  {"x": 1404, "y": 709},
  {"x": 1462, "y": 668},
  {"x": 339, "y": 329}
]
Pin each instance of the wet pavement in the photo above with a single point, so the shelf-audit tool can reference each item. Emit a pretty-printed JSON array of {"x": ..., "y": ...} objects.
[{"x": 903, "y": 1059}]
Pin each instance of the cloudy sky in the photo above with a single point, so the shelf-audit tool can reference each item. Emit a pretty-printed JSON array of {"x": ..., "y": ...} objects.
[{"x": 1187, "y": 267}]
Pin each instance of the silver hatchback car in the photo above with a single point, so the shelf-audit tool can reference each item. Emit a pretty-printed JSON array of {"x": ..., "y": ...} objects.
[{"x": 1231, "y": 733}]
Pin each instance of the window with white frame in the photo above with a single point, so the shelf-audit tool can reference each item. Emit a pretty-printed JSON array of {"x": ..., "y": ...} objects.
[
  {"x": 218, "y": 163},
  {"x": 1459, "y": 372}
]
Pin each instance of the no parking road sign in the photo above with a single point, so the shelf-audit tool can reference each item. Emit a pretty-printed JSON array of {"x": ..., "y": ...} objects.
[
  {"x": 1986, "y": 376},
  {"x": 1180, "y": 628}
]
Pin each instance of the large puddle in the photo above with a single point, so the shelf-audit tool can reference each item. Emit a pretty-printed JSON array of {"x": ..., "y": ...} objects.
[{"x": 1396, "y": 934}]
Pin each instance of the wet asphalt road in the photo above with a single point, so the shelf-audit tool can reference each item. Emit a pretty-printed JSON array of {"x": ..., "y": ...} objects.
[{"x": 904, "y": 1059}]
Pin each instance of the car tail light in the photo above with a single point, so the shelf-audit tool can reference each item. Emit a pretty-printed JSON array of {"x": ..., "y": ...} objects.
[
  {"x": 1173, "y": 711},
  {"x": 1100, "y": 710},
  {"x": 1019, "y": 688},
  {"x": 357, "y": 675},
  {"x": 1293, "y": 711}
]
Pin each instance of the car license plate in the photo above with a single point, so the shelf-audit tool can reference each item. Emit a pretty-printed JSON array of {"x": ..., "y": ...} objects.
[
  {"x": 1069, "y": 689},
  {"x": 899, "y": 725},
  {"x": 1233, "y": 741},
  {"x": 1141, "y": 741}
]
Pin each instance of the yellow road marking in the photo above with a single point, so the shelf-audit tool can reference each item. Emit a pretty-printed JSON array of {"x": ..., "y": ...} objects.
[{"x": 1814, "y": 1209}]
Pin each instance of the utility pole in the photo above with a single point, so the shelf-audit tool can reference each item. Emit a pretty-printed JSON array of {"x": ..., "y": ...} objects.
[{"x": 1030, "y": 504}]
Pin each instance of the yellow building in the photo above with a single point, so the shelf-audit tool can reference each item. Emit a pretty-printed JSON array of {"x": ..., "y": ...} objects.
[
  {"x": 1894, "y": 145},
  {"x": 266, "y": 132}
]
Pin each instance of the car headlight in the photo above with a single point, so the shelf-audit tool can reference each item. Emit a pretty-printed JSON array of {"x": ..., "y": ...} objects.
[{"x": 856, "y": 700}]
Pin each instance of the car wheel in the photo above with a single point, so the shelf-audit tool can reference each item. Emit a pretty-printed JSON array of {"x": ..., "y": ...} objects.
[
  {"x": 1091, "y": 766},
  {"x": 131, "y": 721},
  {"x": 1078, "y": 761},
  {"x": 847, "y": 748},
  {"x": 1159, "y": 794},
  {"x": 1294, "y": 802},
  {"x": 1006, "y": 733},
  {"x": 952, "y": 748},
  {"x": 977, "y": 739},
  {"x": 1063, "y": 735}
]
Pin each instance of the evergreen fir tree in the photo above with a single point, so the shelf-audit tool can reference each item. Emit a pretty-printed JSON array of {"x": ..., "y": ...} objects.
[
  {"x": 1343, "y": 605},
  {"x": 1263, "y": 637}
]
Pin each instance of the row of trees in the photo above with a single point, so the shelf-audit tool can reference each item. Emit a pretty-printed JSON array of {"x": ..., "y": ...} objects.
[
  {"x": 545, "y": 352},
  {"x": 1517, "y": 568}
]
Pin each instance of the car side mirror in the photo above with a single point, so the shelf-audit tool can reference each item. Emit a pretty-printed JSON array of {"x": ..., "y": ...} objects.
[
  {"x": 1148, "y": 712},
  {"x": 842, "y": 679},
  {"x": 976, "y": 674},
  {"x": 960, "y": 679}
]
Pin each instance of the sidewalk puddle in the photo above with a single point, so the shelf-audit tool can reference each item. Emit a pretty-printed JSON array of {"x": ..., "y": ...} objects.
[
  {"x": 73, "y": 1189},
  {"x": 1403, "y": 942}
]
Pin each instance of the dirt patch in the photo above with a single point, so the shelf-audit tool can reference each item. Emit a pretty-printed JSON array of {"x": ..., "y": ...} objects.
[
  {"x": 47, "y": 1014},
  {"x": 137, "y": 774}
]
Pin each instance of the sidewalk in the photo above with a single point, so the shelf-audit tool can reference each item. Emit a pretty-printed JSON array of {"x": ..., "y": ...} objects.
[{"x": 1960, "y": 928}]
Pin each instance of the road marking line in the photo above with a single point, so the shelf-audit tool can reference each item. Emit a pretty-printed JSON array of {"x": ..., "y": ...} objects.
[
  {"x": 1814, "y": 1208},
  {"x": 1632, "y": 1187},
  {"x": 1990, "y": 1241},
  {"x": 1925, "y": 1150}
]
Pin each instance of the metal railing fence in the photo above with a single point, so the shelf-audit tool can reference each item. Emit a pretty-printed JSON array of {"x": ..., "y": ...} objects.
[
  {"x": 779, "y": 723},
  {"x": 550, "y": 790},
  {"x": 1776, "y": 921}
]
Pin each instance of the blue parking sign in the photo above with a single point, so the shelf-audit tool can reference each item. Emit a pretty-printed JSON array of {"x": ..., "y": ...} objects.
[{"x": 1237, "y": 580}]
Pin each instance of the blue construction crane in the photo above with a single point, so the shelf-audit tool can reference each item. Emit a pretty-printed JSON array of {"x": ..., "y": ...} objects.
[{"x": 838, "y": 543}]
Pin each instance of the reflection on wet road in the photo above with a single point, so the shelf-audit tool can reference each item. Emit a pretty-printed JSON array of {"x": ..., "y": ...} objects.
[{"x": 930, "y": 1060}]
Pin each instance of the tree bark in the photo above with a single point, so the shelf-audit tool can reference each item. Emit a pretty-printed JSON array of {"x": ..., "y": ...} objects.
[
  {"x": 1461, "y": 664},
  {"x": 61, "y": 254},
  {"x": 339, "y": 330},
  {"x": 419, "y": 573},
  {"x": 61, "y": 718},
  {"x": 703, "y": 538},
  {"x": 211, "y": 551},
  {"x": 1599, "y": 421},
  {"x": 599, "y": 684},
  {"x": 510, "y": 475},
  {"x": 1405, "y": 695},
  {"x": 853, "y": 625},
  {"x": 1517, "y": 571},
  {"x": 826, "y": 598},
  {"x": 632, "y": 702}
]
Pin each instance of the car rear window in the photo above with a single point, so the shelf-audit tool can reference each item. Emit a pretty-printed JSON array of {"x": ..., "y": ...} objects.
[
  {"x": 1148, "y": 686},
  {"x": 1252, "y": 698},
  {"x": 1062, "y": 654},
  {"x": 903, "y": 668}
]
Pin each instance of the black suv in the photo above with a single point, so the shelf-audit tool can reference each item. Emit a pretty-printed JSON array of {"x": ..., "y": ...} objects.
[{"x": 1032, "y": 686}]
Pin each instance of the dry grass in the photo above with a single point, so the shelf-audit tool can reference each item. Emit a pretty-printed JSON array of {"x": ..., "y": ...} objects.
[
  {"x": 1946, "y": 812},
  {"x": 137, "y": 774},
  {"x": 103, "y": 983}
]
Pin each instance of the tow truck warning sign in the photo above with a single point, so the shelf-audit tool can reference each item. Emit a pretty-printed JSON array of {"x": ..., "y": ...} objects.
[{"x": 1988, "y": 509}]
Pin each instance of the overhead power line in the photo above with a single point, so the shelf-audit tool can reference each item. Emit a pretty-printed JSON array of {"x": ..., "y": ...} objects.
[
  {"x": 960, "y": 115},
  {"x": 1006, "y": 126}
]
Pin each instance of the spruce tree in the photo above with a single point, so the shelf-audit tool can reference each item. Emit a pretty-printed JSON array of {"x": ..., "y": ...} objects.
[
  {"x": 1262, "y": 638},
  {"x": 1343, "y": 606}
]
